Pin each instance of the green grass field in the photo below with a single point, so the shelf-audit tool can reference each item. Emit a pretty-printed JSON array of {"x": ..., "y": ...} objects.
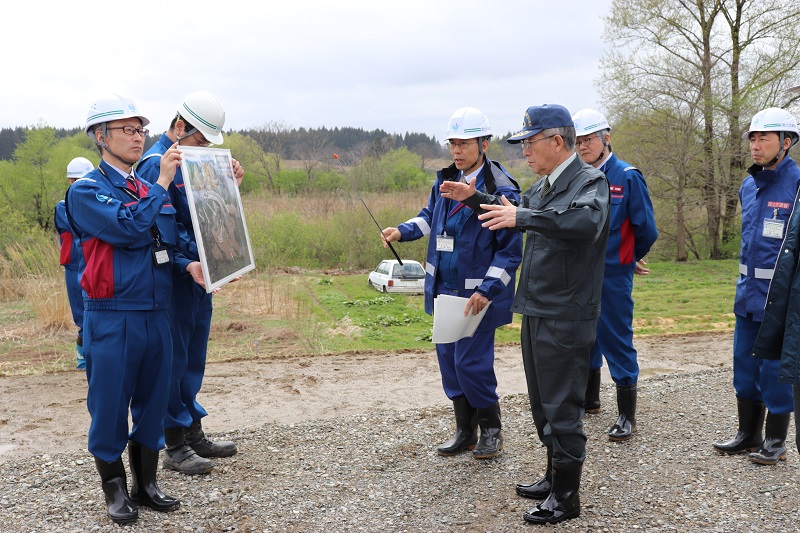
[{"x": 302, "y": 312}]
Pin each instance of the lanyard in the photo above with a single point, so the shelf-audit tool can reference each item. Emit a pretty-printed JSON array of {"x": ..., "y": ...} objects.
[{"x": 155, "y": 234}]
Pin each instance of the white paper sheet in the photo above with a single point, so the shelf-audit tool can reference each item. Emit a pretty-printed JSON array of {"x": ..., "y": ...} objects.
[{"x": 449, "y": 322}]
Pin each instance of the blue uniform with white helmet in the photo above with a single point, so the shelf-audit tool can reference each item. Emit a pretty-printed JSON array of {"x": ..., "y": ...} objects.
[
  {"x": 486, "y": 262},
  {"x": 767, "y": 197},
  {"x": 71, "y": 256},
  {"x": 631, "y": 233},
  {"x": 472, "y": 262},
  {"x": 127, "y": 340},
  {"x": 199, "y": 117},
  {"x": 191, "y": 307}
]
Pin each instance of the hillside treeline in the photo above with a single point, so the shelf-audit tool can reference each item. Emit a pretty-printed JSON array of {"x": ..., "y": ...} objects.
[{"x": 288, "y": 143}]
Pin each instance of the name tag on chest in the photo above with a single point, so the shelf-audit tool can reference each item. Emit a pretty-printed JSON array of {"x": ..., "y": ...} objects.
[
  {"x": 773, "y": 228},
  {"x": 445, "y": 243}
]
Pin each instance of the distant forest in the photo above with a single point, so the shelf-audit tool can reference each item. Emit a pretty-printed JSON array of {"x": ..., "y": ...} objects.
[{"x": 288, "y": 143}]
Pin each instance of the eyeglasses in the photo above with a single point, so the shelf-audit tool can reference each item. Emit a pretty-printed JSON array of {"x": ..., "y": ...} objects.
[
  {"x": 585, "y": 142},
  {"x": 526, "y": 144},
  {"x": 202, "y": 142},
  {"x": 130, "y": 130},
  {"x": 460, "y": 146}
]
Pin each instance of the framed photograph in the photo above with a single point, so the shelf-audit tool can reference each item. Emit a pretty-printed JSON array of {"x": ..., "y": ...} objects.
[{"x": 217, "y": 215}]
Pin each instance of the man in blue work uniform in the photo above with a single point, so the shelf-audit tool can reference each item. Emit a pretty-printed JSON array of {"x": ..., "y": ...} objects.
[
  {"x": 198, "y": 122},
  {"x": 128, "y": 235},
  {"x": 464, "y": 259},
  {"x": 71, "y": 257},
  {"x": 631, "y": 233},
  {"x": 767, "y": 195}
]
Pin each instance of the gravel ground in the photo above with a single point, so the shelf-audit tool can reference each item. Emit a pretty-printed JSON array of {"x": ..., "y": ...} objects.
[{"x": 379, "y": 472}]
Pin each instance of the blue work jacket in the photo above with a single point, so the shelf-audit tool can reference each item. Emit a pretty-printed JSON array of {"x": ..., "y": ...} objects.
[
  {"x": 632, "y": 224},
  {"x": 487, "y": 260},
  {"x": 114, "y": 229},
  {"x": 71, "y": 256},
  {"x": 767, "y": 197}
]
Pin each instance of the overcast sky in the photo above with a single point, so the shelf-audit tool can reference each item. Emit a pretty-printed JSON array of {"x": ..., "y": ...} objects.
[{"x": 399, "y": 66}]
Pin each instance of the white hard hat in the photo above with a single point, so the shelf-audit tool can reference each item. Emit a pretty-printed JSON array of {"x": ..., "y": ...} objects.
[
  {"x": 468, "y": 123},
  {"x": 204, "y": 112},
  {"x": 589, "y": 121},
  {"x": 79, "y": 167},
  {"x": 111, "y": 107},
  {"x": 773, "y": 119}
]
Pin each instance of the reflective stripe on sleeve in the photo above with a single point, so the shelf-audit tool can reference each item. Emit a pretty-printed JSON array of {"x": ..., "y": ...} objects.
[
  {"x": 421, "y": 224},
  {"x": 499, "y": 273},
  {"x": 430, "y": 269}
]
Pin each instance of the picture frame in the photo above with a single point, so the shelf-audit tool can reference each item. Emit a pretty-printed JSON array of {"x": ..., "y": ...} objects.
[{"x": 220, "y": 230}]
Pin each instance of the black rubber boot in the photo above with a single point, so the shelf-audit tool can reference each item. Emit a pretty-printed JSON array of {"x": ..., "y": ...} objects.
[
  {"x": 179, "y": 456},
  {"x": 773, "y": 449},
  {"x": 625, "y": 426},
  {"x": 539, "y": 490},
  {"x": 591, "y": 404},
  {"x": 490, "y": 442},
  {"x": 751, "y": 423},
  {"x": 196, "y": 438},
  {"x": 121, "y": 508},
  {"x": 466, "y": 435},
  {"x": 144, "y": 489},
  {"x": 563, "y": 502}
]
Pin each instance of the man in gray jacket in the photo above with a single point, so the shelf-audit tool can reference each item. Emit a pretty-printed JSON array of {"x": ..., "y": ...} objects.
[{"x": 565, "y": 217}]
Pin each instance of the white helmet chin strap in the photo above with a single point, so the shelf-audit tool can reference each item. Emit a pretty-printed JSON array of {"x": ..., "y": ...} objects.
[{"x": 602, "y": 137}]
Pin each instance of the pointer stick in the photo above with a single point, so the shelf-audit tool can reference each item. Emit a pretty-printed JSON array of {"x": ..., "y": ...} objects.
[{"x": 353, "y": 185}]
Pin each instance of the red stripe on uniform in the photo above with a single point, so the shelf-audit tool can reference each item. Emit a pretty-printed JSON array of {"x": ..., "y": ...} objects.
[
  {"x": 626, "y": 242},
  {"x": 66, "y": 248},
  {"x": 98, "y": 276}
]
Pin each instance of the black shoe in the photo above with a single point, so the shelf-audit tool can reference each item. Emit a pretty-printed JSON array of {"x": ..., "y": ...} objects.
[
  {"x": 144, "y": 489},
  {"x": 625, "y": 426},
  {"x": 563, "y": 502},
  {"x": 751, "y": 423},
  {"x": 539, "y": 490},
  {"x": 773, "y": 449},
  {"x": 204, "y": 447},
  {"x": 465, "y": 437},
  {"x": 591, "y": 404},
  {"x": 121, "y": 508},
  {"x": 179, "y": 456},
  {"x": 490, "y": 442}
]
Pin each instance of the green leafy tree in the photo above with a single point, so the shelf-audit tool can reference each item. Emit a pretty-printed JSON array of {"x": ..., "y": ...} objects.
[
  {"x": 402, "y": 171},
  {"x": 36, "y": 178}
]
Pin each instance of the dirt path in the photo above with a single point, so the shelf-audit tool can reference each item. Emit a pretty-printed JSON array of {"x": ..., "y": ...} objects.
[{"x": 47, "y": 413}]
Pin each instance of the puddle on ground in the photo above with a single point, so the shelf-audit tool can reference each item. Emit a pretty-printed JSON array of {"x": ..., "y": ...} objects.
[{"x": 650, "y": 372}]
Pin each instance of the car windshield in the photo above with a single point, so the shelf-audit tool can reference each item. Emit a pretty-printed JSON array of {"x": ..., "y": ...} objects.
[{"x": 408, "y": 271}]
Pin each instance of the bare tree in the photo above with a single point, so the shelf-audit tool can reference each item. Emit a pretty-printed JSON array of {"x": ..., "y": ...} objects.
[
  {"x": 272, "y": 137},
  {"x": 314, "y": 149},
  {"x": 711, "y": 62}
]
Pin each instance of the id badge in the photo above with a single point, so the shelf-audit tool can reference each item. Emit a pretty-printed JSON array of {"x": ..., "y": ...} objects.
[
  {"x": 445, "y": 243},
  {"x": 773, "y": 228},
  {"x": 160, "y": 256}
]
